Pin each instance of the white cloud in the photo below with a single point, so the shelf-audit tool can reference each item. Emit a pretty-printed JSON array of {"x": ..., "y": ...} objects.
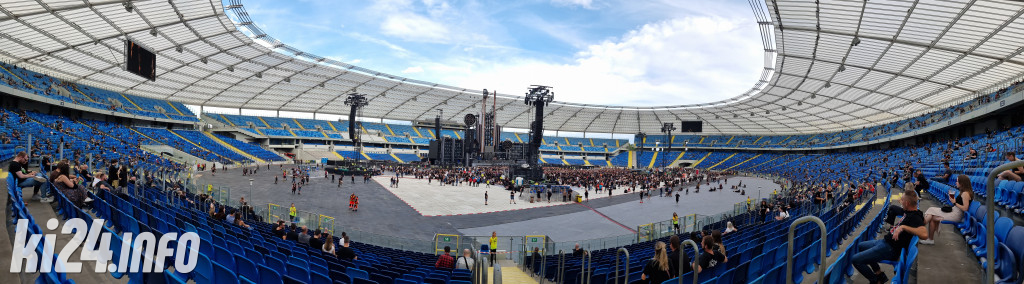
[
  {"x": 414, "y": 69},
  {"x": 413, "y": 27},
  {"x": 582, "y": 3},
  {"x": 679, "y": 61}
]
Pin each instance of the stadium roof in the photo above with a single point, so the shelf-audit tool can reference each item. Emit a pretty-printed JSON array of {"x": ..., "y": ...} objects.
[{"x": 830, "y": 65}]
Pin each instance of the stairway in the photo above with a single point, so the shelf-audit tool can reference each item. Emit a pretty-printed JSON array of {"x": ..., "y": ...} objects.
[
  {"x": 510, "y": 273},
  {"x": 197, "y": 145},
  {"x": 723, "y": 161},
  {"x": 226, "y": 145}
]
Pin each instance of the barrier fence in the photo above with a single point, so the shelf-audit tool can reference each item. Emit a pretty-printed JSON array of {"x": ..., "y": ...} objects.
[{"x": 515, "y": 248}]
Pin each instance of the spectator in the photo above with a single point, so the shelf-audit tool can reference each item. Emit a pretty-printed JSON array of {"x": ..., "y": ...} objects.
[
  {"x": 971, "y": 155},
  {"x": 279, "y": 231},
  {"x": 346, "y": 252},
  {"x": 710, "y": 258},
  {"x": 946, "y": 174},
  {"x": 716, "y": 235},
  {"x": 577, "y": 251},
  {"x": 83, "y": 172},
  {"x": 890, "y": 246},
  {"x": 445, "y": 261},
  {"x": 68, "y": 184},
  {"x": 657, "y": 270},
  {"x": 961, "y": 203},
  {"x": 920, "y": 184},
  {"x": 1012, "y": 174},
  {"x": 466, "y": 261},
  {"x": 304, "y": 235},
  {"x": 26, "y": 178},
  {"x": 100, "y": 182},
  {"x": 112, "y": 173},
  {"x": 222, "y": 214},
  {"x": 230, "y": 218},
  {"x": 315, "y": 242},
  {"x": 535, "y": 258},
  {"x": 238, "y": 221},
  {"x": 327, "y": 247},
  {"x": 674, "y": 255},
  {"x": 729, "y": 228},
  {"x": 293, "y": 233},
  {"x": 783, "y": 214}
]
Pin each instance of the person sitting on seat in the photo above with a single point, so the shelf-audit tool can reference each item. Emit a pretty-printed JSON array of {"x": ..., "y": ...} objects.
[
  {"x": 328, "y": 246},
  {"x": 961, "y": 203},
  {"x": 946, "y": 174},
  {"x": 1012, "y": 174},
  {"x": 657, "y": 270},
  {"x": 577, "y": 251},
  {"x": 674, "y": 255},
  {"x": 346, "y": 252},
  {"x": 889, "y": 247},
  {"x": 445, "y": 261},
  {"x": 710, "y": 258},
  {"x": 466, "y": 261},
  {"x": 24, "y": 177},
  {"x": 971, "y": 155}
]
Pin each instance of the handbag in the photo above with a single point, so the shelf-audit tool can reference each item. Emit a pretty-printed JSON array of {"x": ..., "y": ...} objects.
[{"x": 947, "y": 209}]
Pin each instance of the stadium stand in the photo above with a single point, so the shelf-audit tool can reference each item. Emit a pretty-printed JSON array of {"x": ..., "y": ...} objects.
[{"x": 251, "y": 149}]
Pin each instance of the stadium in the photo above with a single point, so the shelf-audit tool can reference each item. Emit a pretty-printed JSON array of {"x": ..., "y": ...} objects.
[{"x": 180, "y": 141}]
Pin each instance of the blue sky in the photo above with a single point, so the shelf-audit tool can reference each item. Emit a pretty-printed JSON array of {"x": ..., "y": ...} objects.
[{"x": 618, "y": 52}]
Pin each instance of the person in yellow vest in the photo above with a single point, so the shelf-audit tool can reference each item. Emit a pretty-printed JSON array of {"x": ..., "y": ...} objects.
[
  {"x": 748, "y": 203},
  {"x": 291, "y": 213},
  {"x": 675, "y": 221},
  {"x": 494, "y": 247}
]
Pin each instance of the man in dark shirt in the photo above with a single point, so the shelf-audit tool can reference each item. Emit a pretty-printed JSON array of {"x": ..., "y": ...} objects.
[
  {"x": 345, "y": 252},
  {"x": 921, "y": 184},
  {"x": 279, "y": 231},
  {"x": 710, "y": 258},
  {"x": 293, "y": 233},
  {"x": 25, "y": 178},
  {"x": 112, "y": 172},
  {"x": 577, "y": 251},
  {"x": 673, "y": 257},
  {"x": 315, "y": 241},
  {"x": 445, "y": 261},
  {"x": 946, "y": 173},
  {"x": 889, "y": 247}
]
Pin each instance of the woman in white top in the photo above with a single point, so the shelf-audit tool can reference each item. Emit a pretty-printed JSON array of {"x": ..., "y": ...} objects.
[
  {"x": 328, "y": 245},
  {"x": 729, "y": 228}
]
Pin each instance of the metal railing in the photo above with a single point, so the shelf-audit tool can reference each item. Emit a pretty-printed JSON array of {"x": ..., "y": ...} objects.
[
  {"x": 617, "y": 253},
  {"x": 824, "y": 247},
  {"x": 990, "y": 192},
  {"x": 585, "y": 267},
  {"x": 682, "y": 260},
  {"x": 560, "y": 273}
]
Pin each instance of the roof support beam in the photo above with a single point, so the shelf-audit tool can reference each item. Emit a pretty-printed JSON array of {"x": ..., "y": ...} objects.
[
  {"x": 65, "y": 8},
  {"x": 905, "y": 42}
]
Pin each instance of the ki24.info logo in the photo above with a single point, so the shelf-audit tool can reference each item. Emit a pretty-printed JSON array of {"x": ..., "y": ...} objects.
[{"x": 135, "y": 254}]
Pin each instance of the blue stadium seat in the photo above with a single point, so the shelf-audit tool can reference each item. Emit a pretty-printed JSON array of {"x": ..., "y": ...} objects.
[
  {"x": 223, "y": 274},
  {"x": 298, "y": 272},
  {"x": 355, "y": 273},
  {"x": 246, "y": 268},
  {"x": 317, "y": 278},
  {"x": 289, "y": 280},
  {"x": 339, "y": 276},
  {"x": 204, "y": 270},
  {"x": 269, "y": 275}
]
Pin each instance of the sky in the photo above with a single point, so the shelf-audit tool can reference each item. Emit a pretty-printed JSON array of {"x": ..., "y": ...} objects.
[{"x": 610, "y": 52}]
